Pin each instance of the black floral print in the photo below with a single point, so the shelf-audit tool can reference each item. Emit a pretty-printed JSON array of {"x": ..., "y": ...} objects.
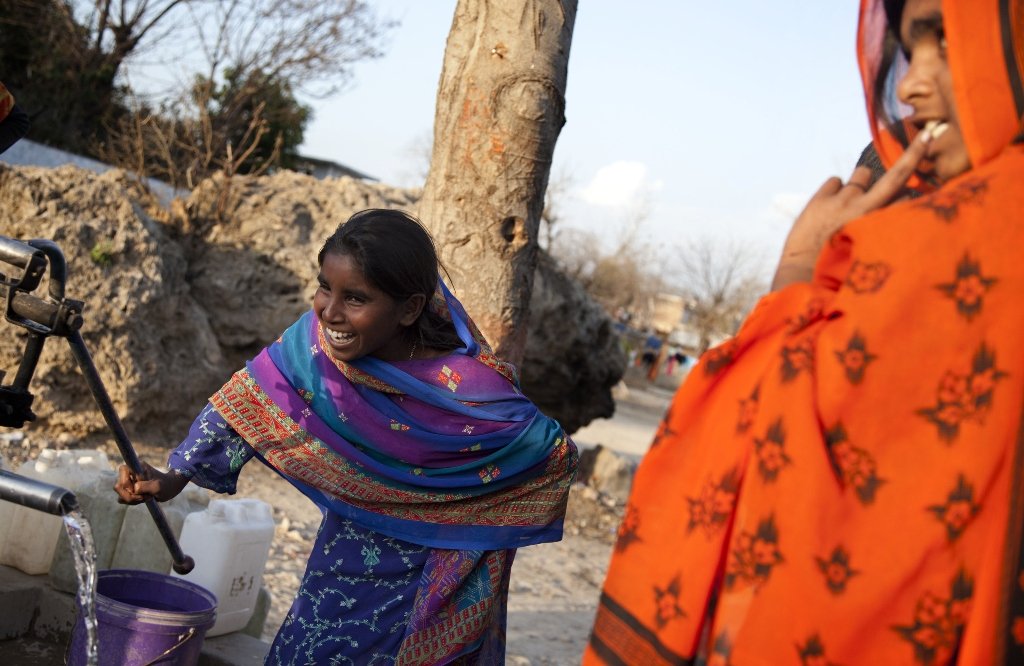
[
  {"x": 719, "y": 357},
  {"x": 939, "y": 621},
  {"x": 753, "y": 556},
  {"x": 867, "y": 277},
  {"x": 968, "y": 287},
  {"x": 748, "y": 410},
  {"x": 855, "y": 358},
  {"x": 812, "y": 652},
  {"x": 958, "y": 509},
  {"x": 666, "y": 602},
  {"x": 627, "y": 532},
  {"x": 946, "y": 202},
  {"x": 962, "y": 397},
  {"x": 854, "y": 466},
  {"x": 771, "y": 451},
  {"x": 711, "y": 509},
  {"x": 836, "y": 569},
  {"x": 796, "y": 358}
]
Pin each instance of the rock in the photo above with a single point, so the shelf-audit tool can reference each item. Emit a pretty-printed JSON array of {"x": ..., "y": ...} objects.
[
  {"x": 149, "y": 339},
  {"x": 573, "y": 358},
  {"x": 607, "y": 472}
]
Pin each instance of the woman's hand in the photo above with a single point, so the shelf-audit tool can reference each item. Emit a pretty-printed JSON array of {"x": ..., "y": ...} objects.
[
  {"x": 835, "y": 204},
  {"x": 134, "y": 488}
]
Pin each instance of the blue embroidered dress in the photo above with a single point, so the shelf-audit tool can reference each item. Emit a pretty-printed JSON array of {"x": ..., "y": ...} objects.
[{"x": 355, "y": 597}]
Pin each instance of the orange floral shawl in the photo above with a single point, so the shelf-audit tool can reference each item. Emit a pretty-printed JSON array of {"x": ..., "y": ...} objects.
[{"x": 841, "y": 483}]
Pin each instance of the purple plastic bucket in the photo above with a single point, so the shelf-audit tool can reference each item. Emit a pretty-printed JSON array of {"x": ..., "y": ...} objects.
[{"x": 146, "y": 618}]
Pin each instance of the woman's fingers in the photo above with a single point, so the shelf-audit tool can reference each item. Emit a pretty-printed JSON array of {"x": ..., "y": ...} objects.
[
  {"x": 828, "y": 188},
  {"x": 895, "y": 179},
  {"x": 860, "y": 179}
]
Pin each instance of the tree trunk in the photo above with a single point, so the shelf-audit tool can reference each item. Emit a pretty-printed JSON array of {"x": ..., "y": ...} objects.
[{"x": 500, "y": 107}]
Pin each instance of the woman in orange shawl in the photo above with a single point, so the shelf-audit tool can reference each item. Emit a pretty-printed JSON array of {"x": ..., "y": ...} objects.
[{"x": 841, "y": 483}]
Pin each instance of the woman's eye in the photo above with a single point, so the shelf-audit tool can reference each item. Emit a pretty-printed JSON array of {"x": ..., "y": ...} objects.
[{"x": 358, "y": 300}]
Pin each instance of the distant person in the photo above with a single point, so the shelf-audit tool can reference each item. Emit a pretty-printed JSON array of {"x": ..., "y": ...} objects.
[
  {"x": 14, "y": 122},
  {"x": 843, "y": 482},
  {"x": 385, "y": 406}
]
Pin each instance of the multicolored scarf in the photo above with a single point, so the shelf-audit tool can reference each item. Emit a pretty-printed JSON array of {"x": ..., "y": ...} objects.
[
  {"x": 843, "y": 482},
  {"x": 444, "y": 452}
]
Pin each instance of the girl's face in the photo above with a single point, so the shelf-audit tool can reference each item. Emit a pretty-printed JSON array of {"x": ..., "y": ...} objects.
[
  {"x": 928, "y": 89},
  {"x": 357, "y": 318}
]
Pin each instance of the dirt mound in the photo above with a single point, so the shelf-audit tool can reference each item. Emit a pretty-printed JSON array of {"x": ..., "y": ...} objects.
[{"x": 177, "y": 300}]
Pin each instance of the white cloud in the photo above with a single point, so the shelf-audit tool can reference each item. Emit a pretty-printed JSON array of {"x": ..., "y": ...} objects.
[
  {"x": 787, "y": 205},
  {"x": 619, "y": 184}
]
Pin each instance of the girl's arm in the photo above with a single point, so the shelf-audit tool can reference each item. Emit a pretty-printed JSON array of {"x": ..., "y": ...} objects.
[{"x": 211, "y": 456}]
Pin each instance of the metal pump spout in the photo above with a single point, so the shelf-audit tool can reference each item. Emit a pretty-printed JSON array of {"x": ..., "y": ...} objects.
[{"x": 36, "y": 494}]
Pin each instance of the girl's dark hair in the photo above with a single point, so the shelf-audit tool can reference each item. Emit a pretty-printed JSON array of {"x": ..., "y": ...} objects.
[{"x": 397, "y": 255}]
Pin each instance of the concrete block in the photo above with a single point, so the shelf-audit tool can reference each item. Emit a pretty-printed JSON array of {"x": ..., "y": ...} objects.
[
  {"x": 259, "y": 614},
  {"x": 99, "y": 504},
  {"x": 31, "y": 652},
  {"x": 19, "y": 597},
  {"x": 140, "y": 546},
  {"x": 55, "y": 617},
  {"x": 237, "y": 649}
]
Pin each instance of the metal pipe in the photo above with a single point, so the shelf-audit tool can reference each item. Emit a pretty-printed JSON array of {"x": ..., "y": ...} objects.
[
  {"x": 182, "y": 563},
  {"x": 29, "y": 360},
  {"x": 36, "y": 494},
  {"x": 58, "y": 266}
]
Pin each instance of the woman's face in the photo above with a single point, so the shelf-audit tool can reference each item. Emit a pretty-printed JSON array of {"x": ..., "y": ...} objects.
[
  {"x": 928, "y": 89},
  {"x": 357, "y": 318}
]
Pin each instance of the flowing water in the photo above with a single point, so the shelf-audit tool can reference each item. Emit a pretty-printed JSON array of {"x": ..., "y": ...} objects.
[{"x": 80, "y": 536}]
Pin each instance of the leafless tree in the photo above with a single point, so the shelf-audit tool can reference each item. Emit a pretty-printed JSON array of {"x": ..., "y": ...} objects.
[
  {"x": 305, "y": 42},
  {"x": 722, "y": 281},
  {"x": 623, "y": 276},
  {"x": 242, "y": 60}
]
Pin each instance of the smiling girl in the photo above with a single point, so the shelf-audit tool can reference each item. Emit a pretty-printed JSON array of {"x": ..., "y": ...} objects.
[{"x": 385, "y": 406}]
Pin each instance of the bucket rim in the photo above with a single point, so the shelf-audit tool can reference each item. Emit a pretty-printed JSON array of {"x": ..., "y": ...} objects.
[{"x": 126, "y": 612}]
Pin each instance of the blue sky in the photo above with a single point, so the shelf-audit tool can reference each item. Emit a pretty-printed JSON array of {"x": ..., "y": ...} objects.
[{"x": 721, "y": 117}]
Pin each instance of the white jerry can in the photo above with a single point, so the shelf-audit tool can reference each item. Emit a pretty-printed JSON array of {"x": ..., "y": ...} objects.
[
  {"x": 230, "y": 542},
  {"x": 28, "y": 538}
]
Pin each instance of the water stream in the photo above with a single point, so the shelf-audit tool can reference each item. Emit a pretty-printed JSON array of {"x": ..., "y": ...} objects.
[{"x": 80, "y": 536}]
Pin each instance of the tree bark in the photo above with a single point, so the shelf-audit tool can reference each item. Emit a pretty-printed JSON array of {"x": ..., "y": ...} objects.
[{"x": 500, "y": 108}]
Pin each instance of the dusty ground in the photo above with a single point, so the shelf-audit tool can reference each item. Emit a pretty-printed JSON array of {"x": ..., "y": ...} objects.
[{"x": 554, "y": 587}]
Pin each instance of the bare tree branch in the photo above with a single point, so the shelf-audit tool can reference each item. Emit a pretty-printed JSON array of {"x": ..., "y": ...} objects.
[{"x": 722, "y": 281}]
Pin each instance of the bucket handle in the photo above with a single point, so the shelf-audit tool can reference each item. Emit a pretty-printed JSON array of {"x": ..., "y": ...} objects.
[{"x": 188, "y": 635}]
